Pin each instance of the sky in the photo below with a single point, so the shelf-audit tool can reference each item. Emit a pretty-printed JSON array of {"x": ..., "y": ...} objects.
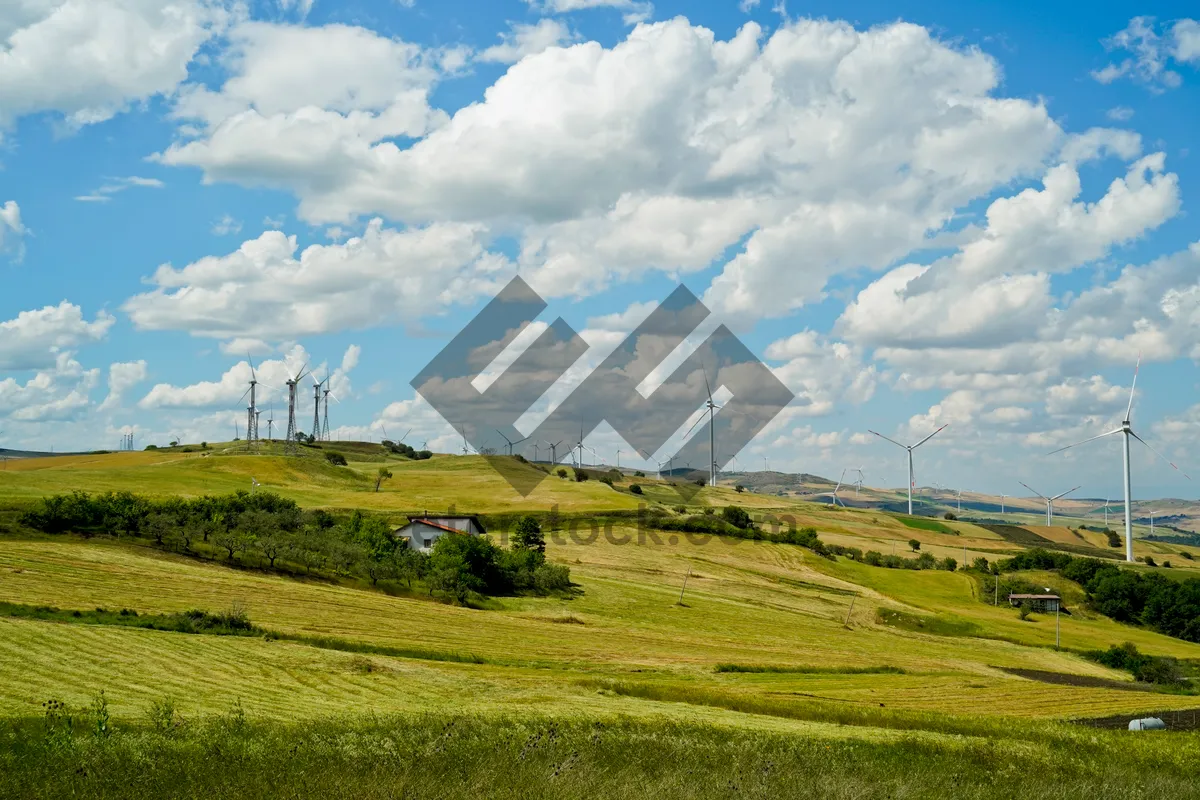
[{"x": 916, "y": 214}]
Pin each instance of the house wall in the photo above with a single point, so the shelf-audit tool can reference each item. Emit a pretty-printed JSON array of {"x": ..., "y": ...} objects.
[
  {"x": 458, "y": 524},
  {"x": 416, "y": 533}
]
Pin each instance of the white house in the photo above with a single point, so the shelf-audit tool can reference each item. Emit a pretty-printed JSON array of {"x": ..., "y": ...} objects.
[{"x": 421, "y": 532}]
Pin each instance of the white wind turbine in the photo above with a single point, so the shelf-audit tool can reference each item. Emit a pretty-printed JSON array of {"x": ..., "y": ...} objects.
[
  {"x": 1127, "y": 430},
  {"x": 858, "y": 484},
  {"x": 1049, "y": 501},
  {"x": 910, "y": 448}
]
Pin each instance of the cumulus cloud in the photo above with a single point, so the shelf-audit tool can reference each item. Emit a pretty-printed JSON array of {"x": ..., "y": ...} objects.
[
  {"x": 89, "y": 60},
  {"x": 11, "y": 228},
  {"x": 633, "y": 11},
  {"x": 59, "y": 392},
  {"x": 526, "y": 40},
  {"x": 104, "y": 193},
  {"x": 1150, "y": 53},
  {"x": 268, "y": 290},
  {"x": 792, "y": 143},
  {"x": 35, "y": 339},
  {"x": 122, "y": 377}
]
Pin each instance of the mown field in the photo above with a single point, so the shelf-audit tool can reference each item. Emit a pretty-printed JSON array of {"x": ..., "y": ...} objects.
[{"x": 848, "y": 684}]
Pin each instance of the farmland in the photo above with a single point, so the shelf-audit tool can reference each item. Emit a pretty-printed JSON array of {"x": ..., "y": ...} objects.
[{"x": 834, "y": 653}]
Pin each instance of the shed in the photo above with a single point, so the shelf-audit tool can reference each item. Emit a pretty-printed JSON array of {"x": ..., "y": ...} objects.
[
  {"x": 421, "y": 532},
  {"x": 1038, "y": 602}
]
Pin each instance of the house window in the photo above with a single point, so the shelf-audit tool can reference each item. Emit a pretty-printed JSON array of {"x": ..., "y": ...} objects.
[{"x": 428, "y": 542}]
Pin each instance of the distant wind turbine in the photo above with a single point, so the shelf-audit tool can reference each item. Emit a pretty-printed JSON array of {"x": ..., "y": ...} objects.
[
  {"x": 1049, "y": 501},
  {"x": 910, "y": 448},
  {"x": 1126, "y": 430}
]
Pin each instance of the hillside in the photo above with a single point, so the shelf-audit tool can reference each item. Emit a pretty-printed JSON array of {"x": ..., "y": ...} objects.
[{"x": 768, "y": 637}]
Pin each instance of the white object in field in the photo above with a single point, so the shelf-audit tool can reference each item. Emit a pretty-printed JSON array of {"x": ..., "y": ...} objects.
[{"x": 1147, "y": 724}]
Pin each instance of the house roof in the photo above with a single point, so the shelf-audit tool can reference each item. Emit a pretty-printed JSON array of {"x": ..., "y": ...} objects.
[
  {"x": 432, "y": 524},
  {"x": 1034, "y": 597}
]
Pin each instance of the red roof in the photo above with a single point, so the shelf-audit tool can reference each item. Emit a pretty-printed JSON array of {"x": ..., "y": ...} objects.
[
  {"x": 1034, "y": 597},
  {"x": 433, "y": 524}
]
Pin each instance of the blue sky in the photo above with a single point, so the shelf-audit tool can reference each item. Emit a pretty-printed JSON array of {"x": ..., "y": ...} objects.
[{"x": 799, "y": 175}]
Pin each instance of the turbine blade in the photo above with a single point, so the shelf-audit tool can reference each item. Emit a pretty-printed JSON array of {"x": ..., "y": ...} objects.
[
  {"x": 1035, "y": 491},
  {"x": 251, "y": 360},
  {"x": 930, "y": 436},
  {"x": 707, "y": 388},
  {"x": 1136, "y": 366},
  {"x": 694, "y": 424},
  {"x": 1085, "y": 441},
  {"x": 893, "y": 441},
  {"x": 1160, "y": 455},
  {"x": 1064, "y": 494}
]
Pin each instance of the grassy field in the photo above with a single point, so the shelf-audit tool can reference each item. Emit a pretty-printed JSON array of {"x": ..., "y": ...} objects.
[{"x": 834, "y": 654}]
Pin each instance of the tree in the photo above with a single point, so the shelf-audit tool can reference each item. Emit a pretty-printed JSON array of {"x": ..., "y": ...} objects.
[
  {"x": 950, "y": 516},
  {"x": 232, "y": 541},
  {"x": 1024, "y": 610},
  {"x": 335, "y": 458},
  {"x": 1113, "y": 539},
  {"x": 528, "y": 535},
  {"x": 158, "y": 526},
  {"x": 635, "y": 489},
  {"x": 580, "y": 476},
  {"x": 382, "y": 475},
  {"x": 739, "y": 488},
  {"x": 737, "y": 517},
  {"x": 914, "y": 544},
  {"x": 272, "y": 545},
  {"x": 562, "y": 473}
]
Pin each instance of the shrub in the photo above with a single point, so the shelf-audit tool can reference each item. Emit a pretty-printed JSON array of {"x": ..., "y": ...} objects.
[
  {"x": 1145, "y": 668},
  {"x": 1150, "y": 562},
  {"x": 737, "y": 517},
  {"x": 1113, "y": 539},
  {"x": 551, "y": 578},
  {"x": 528, "y": 535},
  {"x": 680, "y": 509},
  {"x": 1025, "y": 609},
  {"x": 1167, "y": 564},
  {"x": 1187, "y": 555},
  {"x": 914, "y": 544},
  {"x": 709, "y": 511},
  {"x": 639, "y": 474},
  {"x": 635, "y": 489},
  {"x": 335, "y": 458},
  {"x": 560, "y": 472},
  {"x": 949, "y": 515},
  {"x": 580, "y": 476},
  {"x": 874, "y": 558},
  {"x": 948, "y": 564},
  {"x": 739, "y": 488}
]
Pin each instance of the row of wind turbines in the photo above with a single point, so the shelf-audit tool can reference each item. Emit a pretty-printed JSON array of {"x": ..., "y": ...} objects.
[
  {"x": 321, "y": 396},
  {"x": 1127, "y": 433}
]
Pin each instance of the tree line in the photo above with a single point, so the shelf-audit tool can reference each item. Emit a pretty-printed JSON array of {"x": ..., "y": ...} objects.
[{"x": 267, "y": 530}]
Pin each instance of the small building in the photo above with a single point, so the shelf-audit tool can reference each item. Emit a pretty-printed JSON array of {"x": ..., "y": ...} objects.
[
  {"x": 1038, "y": 602},
  {"x": 421, "y": 532}
]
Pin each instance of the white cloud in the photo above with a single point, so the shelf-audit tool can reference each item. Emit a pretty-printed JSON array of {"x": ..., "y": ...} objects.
[
  {"x": 1150, "y": 53},
  {"x": 1186, "y": 34},
  {"x": 115, "y": 185},
  {"x": 226, "y": 226},
  {"x": 11, "y": 228},
  {"x": 34, "y": 339},
  {"x": 303, "y": 7},
  {"x": 526, "y": 40},
  {"x": 1120, "y": 113},
  {"x": 635, "y": 11},
  {"x": 265, "y": 290},
  {"x": 122, "y": 377},
  {"x": 90, "y": 59},
  {"x": 59, "y": 392},
  {"x": 746, "y": 6}
]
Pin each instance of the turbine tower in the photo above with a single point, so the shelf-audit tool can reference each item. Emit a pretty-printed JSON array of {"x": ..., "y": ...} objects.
[
  {"x": 508, "y": 442},
  {"x": 252, "y": 409},
  {"x": 271, "y": 423},
  {"x": 1126, "y": 430},
  {"x": 910, "y": 448},
  {"x": 711, "y": 408},
  {"x": 290, "y": 444},
  {"x": 316, "y": 426},
  {"x": 554, "y": 450},
  {"x": 326, "y": 393},
  {"x": 1049, "y": 501}
]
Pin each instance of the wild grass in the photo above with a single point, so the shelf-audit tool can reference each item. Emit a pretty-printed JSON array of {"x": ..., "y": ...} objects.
[
  {"x": 882, "y": 669},
  {"x": 440, "y": 756},
  {"x": 924, "y": 524}
]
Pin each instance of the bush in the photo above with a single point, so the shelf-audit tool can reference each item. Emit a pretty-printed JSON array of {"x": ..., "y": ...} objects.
[
  {"x": 1145, "y": 668},
  {"x": 560, "y": 472},
  {"x": 335, "y": 458},
  {"x": 528, "y": 535},
  {"x": 949, "y": 515},
  {"x": 1150, "y": 562},
  {"x": 737, "y": 517},
  {"x": 580, "y": 476},
  {"x": 635, "y": 489},
  {"x": 914, "y": 545},
  {"x": 1025, "y": 609},
  {"x": 1186, "y": 554},
  {"x": 739, "y": 488},
  {"x": 639, "y": 474},
  {"x": 1113, "y": 539}
]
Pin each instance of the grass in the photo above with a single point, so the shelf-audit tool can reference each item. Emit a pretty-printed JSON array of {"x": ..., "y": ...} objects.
[
  {"x": 803, "y": 674},
  {"x": 923, "y": 524},
  {"x": 534, "y": 757}
]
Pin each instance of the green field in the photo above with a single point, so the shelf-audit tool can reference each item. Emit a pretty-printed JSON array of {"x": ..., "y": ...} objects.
[{"x": 826, "y": 674}]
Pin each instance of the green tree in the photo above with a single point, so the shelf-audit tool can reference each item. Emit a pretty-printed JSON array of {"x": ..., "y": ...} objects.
[
  {"x": 382, "y": 475},
  {"x": 737, "y": 517},
  {"x": 335, "y": 458},
  {"x": 914, "y": 544},
  {"x": 528, "y": 535}
]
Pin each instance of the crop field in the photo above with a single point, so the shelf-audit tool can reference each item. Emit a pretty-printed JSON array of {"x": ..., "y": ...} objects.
[{"x": 825, "y": 650}]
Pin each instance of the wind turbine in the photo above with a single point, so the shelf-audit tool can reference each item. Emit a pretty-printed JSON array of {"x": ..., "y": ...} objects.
[
  {"x": 836, "y": 488},
  {"x": 291, "y": 424},
  {"x": 711, "y": 408},
  {"x": 271, "y": 423},
  {"x": 1002, "y": 502},
  {"x": 554, "y": 450},
  {"x": 254, "y": 484},
  {"x": 959, "y": 492},
  {"x": 1126, "y": 430},
  {"x": 910, "y": 448},
  {"x": 251, "y": 410},
  {"x": 579, "y": 446},
  {"x": 327, "y": 392},
  {"x": 466, "y": 450},
  {"x": 316, "y": 426},
  {"x": 509, "y": 442},
  {"x": 858, "y": 484},
  {"x": 1049, "y": 501}
]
